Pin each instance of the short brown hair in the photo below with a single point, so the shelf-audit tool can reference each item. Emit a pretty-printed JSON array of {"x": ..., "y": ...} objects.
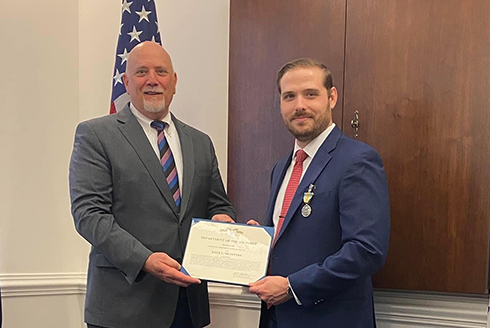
[{"x": 306, "y": 62}]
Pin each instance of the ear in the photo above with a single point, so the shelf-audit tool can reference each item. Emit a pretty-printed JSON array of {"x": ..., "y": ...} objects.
[
  {"x": 175, "y": 82},
  {"x": 125, "y": 80},
  {"x": 334, "y": 95}
]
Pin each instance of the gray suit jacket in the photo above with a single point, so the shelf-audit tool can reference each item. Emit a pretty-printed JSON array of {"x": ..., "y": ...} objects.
[{"x": 122, "y": 205}]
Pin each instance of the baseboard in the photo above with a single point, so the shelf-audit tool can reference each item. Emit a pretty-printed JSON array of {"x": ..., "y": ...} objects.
[
  {"x": 232, "y": 296},
  {"x": 42, "y": 284},
  {"x": 399, "y": 309},
  {"x": 430, "y": 309}
]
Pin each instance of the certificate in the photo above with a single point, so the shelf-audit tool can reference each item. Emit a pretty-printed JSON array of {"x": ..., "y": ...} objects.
[{"x": 233, "y": 253}]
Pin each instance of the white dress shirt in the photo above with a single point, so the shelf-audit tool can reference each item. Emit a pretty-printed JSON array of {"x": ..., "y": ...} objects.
[
  {"x": 170, "y": 134},
  {"x": 310, "y": 149}
]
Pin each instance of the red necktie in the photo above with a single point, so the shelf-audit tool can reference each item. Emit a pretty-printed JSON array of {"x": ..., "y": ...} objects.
[{"x": 291, "y": 189}]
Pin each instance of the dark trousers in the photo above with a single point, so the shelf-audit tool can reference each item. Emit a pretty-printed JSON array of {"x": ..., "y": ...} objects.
[
  {"x": 182, "y": 318},
  {"x": 267, "y": 316}
]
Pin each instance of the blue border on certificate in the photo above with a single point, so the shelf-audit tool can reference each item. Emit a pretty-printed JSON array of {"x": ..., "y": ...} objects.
[{"x": 269, "y": 230}]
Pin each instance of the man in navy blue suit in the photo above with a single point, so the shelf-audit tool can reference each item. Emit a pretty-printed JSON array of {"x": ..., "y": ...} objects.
[{"x": 329, "y": 204}]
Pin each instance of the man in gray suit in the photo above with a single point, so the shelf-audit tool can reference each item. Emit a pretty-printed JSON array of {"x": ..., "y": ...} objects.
[{"x": 136, "y": 213}]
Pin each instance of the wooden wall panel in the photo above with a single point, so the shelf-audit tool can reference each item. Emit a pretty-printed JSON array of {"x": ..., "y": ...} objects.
[
  {"x": 264, "y": 35},
  {"x": 419, "y": 74}
]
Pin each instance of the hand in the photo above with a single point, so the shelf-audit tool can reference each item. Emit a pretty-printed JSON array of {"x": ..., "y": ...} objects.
[
  {"x": 222, "y": 218},
  {"x": 253, "y": 222},
  {"x": 167, "y": 269},
  {"x": 272, "y": 289}
]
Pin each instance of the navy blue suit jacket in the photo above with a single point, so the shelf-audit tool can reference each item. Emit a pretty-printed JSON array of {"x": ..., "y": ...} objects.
[{"x": 330, "y": 256}]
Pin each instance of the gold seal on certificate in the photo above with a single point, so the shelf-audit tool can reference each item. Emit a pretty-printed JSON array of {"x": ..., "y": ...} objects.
[{"x": 232, "y": 253}]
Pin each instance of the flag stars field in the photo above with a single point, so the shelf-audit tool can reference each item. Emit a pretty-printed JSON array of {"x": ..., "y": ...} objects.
[
  {"x": 138, "y": 24},
  {"x": 135, "y": 35},
  {"x": 123, "y": 56},
  {"x": 143, "y": 14},
  {"x": 125, "y": 6},
  {"x": 118, "y": 77}
]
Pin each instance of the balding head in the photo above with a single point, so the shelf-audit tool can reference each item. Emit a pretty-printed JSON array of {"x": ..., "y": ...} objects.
[{"x": 150, "y": 79}]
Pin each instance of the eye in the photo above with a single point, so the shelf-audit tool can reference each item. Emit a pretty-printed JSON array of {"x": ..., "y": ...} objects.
[
  {"x": 140, "y": 72},
  {"x": 287, "y": 96},
  {"x": 311, "y": 94},
  {"x": 161, "y": 71}
]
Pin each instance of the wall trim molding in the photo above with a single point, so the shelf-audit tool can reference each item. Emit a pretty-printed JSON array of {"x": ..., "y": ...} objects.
[
  {"x": 43, "y": 284},
  {"x": 392, "y": 307},
  {"x": 232, "y": 296},
  {"x": 431, "y": 309}
]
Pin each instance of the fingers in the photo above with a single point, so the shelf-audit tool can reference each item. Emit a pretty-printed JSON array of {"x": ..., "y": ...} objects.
[
  {"x": 165, "y": 268},
  {"x": 255, "y": 287},
  {"x": 173, "y": 276},
  {"x": 271, "y": 289},
  {"x": 157, "y": 259},
  {"x": 252, "y": 222},
  {"x": 222, "y": 218}
]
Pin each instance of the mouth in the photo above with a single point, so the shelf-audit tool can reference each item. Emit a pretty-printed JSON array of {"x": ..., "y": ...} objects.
[
  {"x": 300, "y": 119},
  {"x": 152, "y": 92}
]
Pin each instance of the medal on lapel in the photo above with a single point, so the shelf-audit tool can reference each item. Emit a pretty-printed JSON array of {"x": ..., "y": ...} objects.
[{"x": 307, "y": 196}]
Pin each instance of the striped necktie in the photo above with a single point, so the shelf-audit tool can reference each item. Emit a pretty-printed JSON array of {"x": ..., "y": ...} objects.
[
  {"x": 167, "y": 161},
  {"x": 293, "y": 183}
]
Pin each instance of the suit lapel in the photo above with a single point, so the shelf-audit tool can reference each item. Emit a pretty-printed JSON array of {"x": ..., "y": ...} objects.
[
  {"x": 188, "y": 159},
  {"x": 133, "y": 132},
  {"x": 317, "y": 165}
]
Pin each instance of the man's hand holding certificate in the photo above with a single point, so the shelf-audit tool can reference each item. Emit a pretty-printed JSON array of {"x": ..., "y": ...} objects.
[{"x": 227, "y": 252}]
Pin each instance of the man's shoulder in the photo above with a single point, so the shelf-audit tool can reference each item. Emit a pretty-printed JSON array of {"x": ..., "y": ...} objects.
[
  {"x": 102, "y": 125},
  {"x": 102, "y": 120},
  {"x": 352, "y": 150},
  {"x": 347, "y": 143},
  {"x": 194, "y": 132}
]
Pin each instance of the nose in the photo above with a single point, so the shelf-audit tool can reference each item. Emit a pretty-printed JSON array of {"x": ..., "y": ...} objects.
[
  {"x": 300, "y": 103},
  {"x": 151, "y": 79}
]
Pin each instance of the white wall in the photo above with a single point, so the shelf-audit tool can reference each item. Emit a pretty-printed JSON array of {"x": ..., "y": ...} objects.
[
  {"x": 195, "y": 33},
  {"x": 39, "y": 95},
  {"x": 57, "y": 58}
]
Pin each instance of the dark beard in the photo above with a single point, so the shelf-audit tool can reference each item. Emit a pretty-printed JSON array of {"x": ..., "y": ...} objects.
[{"x": 315, "y": 131}]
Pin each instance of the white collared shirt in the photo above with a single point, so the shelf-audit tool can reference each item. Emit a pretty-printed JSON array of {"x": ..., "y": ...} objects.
[
  {"x": 172, "y": 139},
  {"x": 311, "y": 148}
]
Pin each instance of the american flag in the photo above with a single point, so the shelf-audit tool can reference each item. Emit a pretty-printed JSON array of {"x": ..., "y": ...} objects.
[{"x": 138, "y": 23}]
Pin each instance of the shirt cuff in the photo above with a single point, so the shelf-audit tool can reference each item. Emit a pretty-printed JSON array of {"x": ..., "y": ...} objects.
[{"x": 294, "y": 294}]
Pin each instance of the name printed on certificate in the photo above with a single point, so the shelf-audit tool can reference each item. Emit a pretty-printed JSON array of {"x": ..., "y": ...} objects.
[{"x": 232, "y": 253}]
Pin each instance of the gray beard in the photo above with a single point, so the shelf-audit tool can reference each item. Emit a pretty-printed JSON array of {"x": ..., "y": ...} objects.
[{"x": 154, "y": 107}]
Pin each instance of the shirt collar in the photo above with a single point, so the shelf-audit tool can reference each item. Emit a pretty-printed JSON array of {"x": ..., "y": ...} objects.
[
  {"x": 145, "y": 121},
  {"x": 312, "y": 147}
]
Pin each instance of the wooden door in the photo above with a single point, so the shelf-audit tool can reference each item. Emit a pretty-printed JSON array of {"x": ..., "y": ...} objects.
[
  {"x": 264, "y": 35},
  {"x": 418, "y": 72}
]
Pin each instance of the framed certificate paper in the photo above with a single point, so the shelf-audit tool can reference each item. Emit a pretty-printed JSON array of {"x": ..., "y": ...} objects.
[{"x": 232, "y": 253}]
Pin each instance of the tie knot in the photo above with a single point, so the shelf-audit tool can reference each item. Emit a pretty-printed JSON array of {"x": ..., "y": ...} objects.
[
  {"x": 301, "y": 156},
  {"x": 158, "y": 125}
]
